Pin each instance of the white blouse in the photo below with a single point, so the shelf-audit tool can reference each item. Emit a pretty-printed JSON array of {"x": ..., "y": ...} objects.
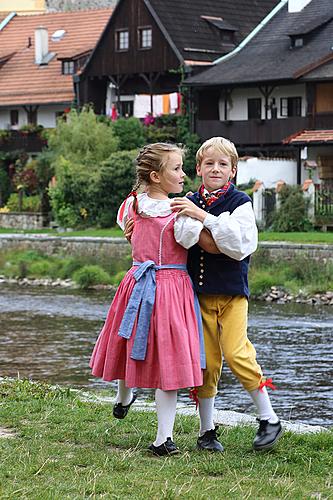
[{"x": 186, "y": 230}]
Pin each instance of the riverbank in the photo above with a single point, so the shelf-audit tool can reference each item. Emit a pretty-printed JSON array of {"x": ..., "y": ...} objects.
[
  {"x": 62, "y": 447},
  {"x": 274, "y": 295}
]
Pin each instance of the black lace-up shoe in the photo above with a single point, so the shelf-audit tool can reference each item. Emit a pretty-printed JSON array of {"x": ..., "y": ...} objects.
[
  {"x": 267, "y": 435},
  {"x": 120, "y": 411},
  {"x": 209, "y": 441},
  {"x": 167, "y": 448}
]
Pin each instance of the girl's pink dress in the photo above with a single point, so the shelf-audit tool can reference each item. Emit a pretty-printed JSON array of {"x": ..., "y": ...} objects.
[{"x": 172, "y": 359}]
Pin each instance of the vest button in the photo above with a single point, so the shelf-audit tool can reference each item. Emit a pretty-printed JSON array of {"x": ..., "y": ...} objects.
[
  {"x": 203, "y": 206},
  {"x": 200, "y": 283},
  {"x": 201, "y": 276},
  {"x": 201, "y": 258}
]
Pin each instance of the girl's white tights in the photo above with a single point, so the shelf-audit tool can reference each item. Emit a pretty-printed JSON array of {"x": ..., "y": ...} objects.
[
  {"x": 124, "y": 394},
  {"x": 263, "y": 405},
  {"x": 206, "y": 412},
  {"x": 166, "y": 402}
]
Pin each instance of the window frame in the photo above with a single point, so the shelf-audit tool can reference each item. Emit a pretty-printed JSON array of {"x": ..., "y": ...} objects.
[
  {"x": 68, "y": 67},
  {"x": 14, "y": 123},
  {"x": 118, "y": 33},
  {"x": 253, "y": 99},
  {"x": 141, "y": 29},
  {"x": 288, "y": 103}
]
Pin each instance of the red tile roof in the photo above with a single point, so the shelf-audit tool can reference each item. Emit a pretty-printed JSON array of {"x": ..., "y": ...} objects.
[
  {"x": 310, "y": 136},
  {"x": 24, "y": 82}
]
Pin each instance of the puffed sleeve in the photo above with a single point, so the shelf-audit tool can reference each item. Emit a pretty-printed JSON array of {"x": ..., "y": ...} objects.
[
  {"x": 123, "y": 212},
  {"x": 187, "y": 231},
  {"x": 235, "y": 234}
]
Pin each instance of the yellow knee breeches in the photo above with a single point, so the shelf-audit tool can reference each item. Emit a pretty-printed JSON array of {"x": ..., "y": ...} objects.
[{"x": 225, "y": 333}]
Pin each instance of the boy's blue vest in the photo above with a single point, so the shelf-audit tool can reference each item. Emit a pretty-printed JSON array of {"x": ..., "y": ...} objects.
[{"x": 218, "y": 274}]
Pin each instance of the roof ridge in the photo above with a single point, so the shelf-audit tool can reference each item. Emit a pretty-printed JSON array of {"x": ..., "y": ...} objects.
[{"x": 104, "y": 9}]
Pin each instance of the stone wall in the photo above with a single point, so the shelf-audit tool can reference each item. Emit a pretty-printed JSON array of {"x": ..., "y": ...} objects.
[
  {"x": 288, "y": 251},
  {"x": 50, "y": 245},
  {"x": 26, "y": 220},
  {"x": 118, "y": 247}
]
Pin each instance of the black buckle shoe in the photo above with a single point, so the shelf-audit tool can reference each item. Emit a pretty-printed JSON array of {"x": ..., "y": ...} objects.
[
  {"x": 120, "y": 411},
  {"x": 267, "y": 435},
  {"x": 209, "y": 441},
  {"x": 167, "y": 448}
]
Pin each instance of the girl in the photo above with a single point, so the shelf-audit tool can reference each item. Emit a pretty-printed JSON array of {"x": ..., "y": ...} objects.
[{"x": 152, "y": 336}]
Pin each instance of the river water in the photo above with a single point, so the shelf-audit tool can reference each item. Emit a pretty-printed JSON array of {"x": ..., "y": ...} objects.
[{"x": 48, "y": 334}]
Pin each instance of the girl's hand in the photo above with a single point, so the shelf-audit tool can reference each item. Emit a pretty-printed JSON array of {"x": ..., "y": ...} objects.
[
  {"x": 128, "y": 231},
  {"x": 186, "y": 207}
]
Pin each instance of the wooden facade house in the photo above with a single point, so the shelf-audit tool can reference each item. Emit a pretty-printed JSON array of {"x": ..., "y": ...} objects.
[
  {"x": 149, "y": 46},
  {"x": 277, "y": 84}
]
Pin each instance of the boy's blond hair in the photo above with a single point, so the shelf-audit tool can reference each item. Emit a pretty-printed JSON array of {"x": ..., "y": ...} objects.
[{"x": 222, "y": 145}]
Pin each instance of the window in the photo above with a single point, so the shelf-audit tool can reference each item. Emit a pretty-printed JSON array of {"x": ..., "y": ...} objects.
[
  {"x": 254, "y": 108},
  {"x": 68, "y": 68},
  {"x": 14, "y": 117},
  {"x": 145, "y": 37},
  {"x": 291, "y": 106},
  {"x": 122, "y": 40},
  {"x": 298, "y": 42},
  {"x": 126, "y": 108}
]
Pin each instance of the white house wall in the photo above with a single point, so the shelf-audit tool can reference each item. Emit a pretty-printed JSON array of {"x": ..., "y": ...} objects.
[
  {"x": 237, "y": 104},
  {"x": 46, "y": 116},
  {"x": 267, "y": 171}
]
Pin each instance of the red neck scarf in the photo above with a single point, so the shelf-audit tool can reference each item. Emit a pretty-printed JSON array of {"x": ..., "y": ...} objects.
[{"x": 211, "y": 197}]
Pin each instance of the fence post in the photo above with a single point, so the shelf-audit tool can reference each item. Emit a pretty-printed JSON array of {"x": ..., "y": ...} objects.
[
  {"x": 259, "y": 203},
  {"x": 308, "y": 189},
  {"x": 279, "y": 186}
]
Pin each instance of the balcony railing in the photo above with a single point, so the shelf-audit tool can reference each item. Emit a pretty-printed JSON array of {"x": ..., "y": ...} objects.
[
  {"x": 252, "y": 132},
  {"x": 16, "y": 140}
]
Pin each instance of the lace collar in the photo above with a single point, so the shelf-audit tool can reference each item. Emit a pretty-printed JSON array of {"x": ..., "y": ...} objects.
[{"x": 153, "y": 207}]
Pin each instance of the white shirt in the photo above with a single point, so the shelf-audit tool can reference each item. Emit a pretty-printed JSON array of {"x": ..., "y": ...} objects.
[
  {"x": 186, "y": 230},
  {"x": 235, "y": 234}
]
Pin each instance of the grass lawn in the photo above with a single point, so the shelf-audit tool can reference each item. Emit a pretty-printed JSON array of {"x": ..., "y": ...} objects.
[
  {"x": 112, "y": 232},
  {"x": 310, "y": 237},
  {"x": 64, "y": 448}
]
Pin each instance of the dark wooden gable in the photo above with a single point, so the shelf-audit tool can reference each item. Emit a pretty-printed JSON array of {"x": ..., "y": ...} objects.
[{"x": 106, "y": 60}]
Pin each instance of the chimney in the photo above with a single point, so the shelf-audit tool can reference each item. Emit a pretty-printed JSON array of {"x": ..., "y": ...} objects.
[
  {"x": 41, "y": 44},
  {"x": 297, "y": 5}
]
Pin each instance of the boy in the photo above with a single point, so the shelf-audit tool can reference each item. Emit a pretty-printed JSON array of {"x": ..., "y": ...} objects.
[{"x": 221, "y": 281}]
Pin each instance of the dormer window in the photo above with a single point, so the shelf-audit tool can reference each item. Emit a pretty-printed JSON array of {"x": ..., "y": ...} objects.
[
  {"x": 145, "y": 37},
  {"x": 68, "y": 67},
  {"x": 298, "y": 42},
  {"x": 122, "y": 40}
]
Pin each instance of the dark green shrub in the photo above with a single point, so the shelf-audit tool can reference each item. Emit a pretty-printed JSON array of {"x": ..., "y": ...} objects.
[
  {"x": 91, "y": 275},
  {"x": 4, "y": 186},
  {"x": 293, "y": 212},
  {"x": 115, "y": 181},
  {"x": 129, "y": 132}
]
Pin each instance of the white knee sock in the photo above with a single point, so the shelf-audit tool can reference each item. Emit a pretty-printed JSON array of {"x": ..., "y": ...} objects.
[
  {"x": 263, "y": 405},
  {"x": 124, "y": 394},
  {"x": 206, "y": 412},
  {"x": 166, "y": 403}
]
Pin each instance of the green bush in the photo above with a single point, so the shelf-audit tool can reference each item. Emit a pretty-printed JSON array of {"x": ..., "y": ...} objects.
[
  {"x": 29, "y": 203},
  {"x": 4, "y": 186},
  {"x": 91, "y": 275},
  {"x": 129, "y": 132},
  {"x": 293, "y": 212},
  {"x": 115, "y": 181},
  {"x": 117, "y": 278},
  {"x": 69, "y": 266}
]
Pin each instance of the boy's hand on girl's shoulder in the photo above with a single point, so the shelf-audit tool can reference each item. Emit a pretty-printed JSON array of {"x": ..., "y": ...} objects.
[
  {"x": 186, "y": 207},
  {"x": 128, "y": 231}
]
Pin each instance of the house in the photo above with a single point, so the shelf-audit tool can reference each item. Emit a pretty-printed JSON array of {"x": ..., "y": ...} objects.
[
  {"x": 149, "y": 46},
  {"x": 273, "y": 95},
  {"x": 39, "y": 54},
  {"x": 23, "y": 6}
]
